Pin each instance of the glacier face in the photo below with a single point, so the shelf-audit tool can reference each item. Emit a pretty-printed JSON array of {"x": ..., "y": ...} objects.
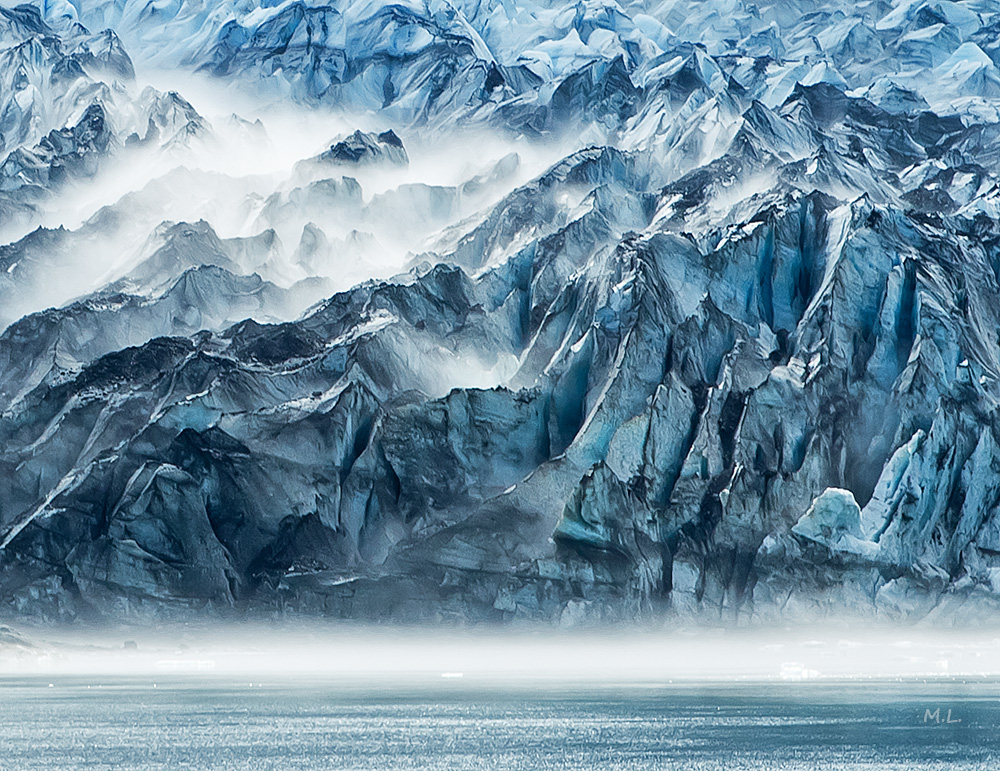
[{"x": 482, "y": 311}]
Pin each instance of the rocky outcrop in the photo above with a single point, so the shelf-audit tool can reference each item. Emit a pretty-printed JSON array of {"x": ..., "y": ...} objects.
[
  {"x": 362, "y": 148},
  {"x": 64, "y": 153},
  {"x": 68, "y": 102}
]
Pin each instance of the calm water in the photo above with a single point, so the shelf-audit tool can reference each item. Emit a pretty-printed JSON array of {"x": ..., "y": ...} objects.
[{"x": 218, "y": 723}]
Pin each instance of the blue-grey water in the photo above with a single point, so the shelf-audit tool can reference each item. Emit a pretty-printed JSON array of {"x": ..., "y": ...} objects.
[{"x": 218, "y": 722}]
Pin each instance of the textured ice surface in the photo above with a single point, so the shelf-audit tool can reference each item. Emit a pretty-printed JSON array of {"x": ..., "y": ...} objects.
[{"x": 498, "y": 311}]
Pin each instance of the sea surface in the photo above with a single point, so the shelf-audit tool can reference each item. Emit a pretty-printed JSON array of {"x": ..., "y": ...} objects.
[{"x": 221, "y": 722}]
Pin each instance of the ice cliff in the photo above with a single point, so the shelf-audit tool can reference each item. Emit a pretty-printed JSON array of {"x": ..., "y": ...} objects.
[{"x": 577, "y": 312}]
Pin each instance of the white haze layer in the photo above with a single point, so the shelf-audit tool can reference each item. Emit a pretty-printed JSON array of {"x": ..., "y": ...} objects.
[
  {"x": 318, "y": 652},
  {"x": 253, "y": 154}
]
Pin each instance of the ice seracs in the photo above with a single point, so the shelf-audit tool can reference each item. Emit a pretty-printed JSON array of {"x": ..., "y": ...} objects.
[{"x": 729, "y": 349}]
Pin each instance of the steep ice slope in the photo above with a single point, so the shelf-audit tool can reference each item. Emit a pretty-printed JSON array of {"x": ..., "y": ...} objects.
[
  {"x": 69, "y": 101},
  {"x": 441, "y": 60},
  {"x": 738, "y": 356}
]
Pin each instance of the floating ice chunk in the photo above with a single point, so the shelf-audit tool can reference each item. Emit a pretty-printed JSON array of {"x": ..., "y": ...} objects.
[{"x": 795, "y": 672}]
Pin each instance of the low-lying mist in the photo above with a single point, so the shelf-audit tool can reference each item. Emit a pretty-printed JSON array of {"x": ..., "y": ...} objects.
[
  {"x": 251, "y": 170},
  {"x": 501, "y": 656}
]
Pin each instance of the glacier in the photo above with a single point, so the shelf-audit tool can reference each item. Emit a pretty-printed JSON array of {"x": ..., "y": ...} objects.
[{"x": 484, "y": 311}]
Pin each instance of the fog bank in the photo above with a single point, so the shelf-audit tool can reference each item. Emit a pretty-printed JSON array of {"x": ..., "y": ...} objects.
[{"x": 398, "y": 655}]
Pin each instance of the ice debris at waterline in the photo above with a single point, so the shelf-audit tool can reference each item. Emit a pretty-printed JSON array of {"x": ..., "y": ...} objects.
[{"x": 485, "y": 312}]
